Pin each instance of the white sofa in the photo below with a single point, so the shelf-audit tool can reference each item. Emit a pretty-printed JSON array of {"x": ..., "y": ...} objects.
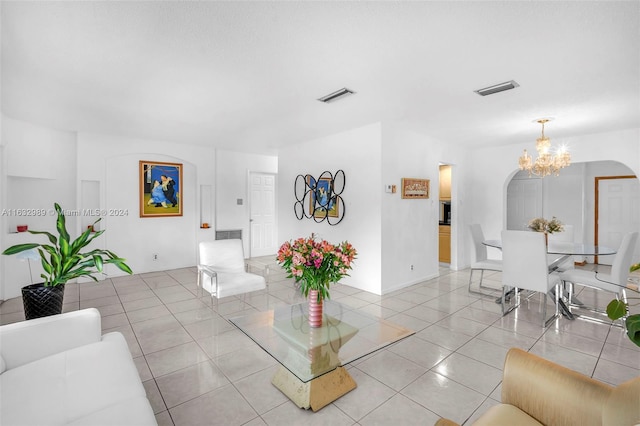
[{"x": 61, "y": 370}]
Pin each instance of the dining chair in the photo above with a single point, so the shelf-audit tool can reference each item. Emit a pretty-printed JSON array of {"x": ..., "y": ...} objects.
[
  {"x": 222, "y": 270},
  {"x": 525, "y": 267},
  {"x": 566, "y": 236},
  {"x": 479, "y": 261},
  {"x": 614, "y": 282}
]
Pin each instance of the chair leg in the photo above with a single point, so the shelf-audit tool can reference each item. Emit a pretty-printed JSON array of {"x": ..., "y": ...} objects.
[
  {"x": 480, "y": 286},
  {"x": 516, "y": 300}
]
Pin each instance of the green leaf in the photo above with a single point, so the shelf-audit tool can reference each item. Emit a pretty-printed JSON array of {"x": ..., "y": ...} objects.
[
  {"x": 97, "y": 260},
  {"x": 633, "y": 328},
  {"x": 120, "y": 263},
  {"x": 52, "y": 239},
  {"x": 20, "y": 248},
  {"x": 61, "y": 224},
  {"x": 616, "y": 309}
]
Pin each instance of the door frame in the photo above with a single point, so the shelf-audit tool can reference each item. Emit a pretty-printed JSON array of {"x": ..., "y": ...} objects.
[{"x": 597, "y": 203}]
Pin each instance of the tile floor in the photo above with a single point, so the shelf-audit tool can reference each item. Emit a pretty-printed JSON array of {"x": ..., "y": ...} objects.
[{"x": 198, "y": 369}]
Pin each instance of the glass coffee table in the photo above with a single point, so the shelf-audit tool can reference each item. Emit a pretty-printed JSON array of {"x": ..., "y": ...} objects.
[{"x": 312, "y": 360}]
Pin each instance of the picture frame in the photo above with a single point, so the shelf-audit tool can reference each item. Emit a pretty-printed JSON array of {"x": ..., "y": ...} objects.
[
  {"x": 415, "y": 188},
  {"x": 160, "y": 189},
  {"x": 322, "y": 200}
]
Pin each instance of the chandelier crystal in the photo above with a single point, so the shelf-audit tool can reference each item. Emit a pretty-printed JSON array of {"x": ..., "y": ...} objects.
[{"x": 546, "y": 164}]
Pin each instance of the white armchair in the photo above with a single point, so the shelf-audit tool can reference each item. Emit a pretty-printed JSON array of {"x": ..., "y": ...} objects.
[{"x": 222, "y": 270}]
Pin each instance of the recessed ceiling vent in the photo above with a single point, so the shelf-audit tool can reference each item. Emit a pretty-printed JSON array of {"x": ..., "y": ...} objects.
[
  {"x": 508, "y": 85},
  {"x": 338, "y": 94}
]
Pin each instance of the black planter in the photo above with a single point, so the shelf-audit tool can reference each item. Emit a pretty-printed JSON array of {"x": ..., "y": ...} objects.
[{"x": 40, "y": 301}]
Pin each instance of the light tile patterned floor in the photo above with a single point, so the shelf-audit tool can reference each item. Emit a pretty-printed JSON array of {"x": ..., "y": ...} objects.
[{"x": 199, "y": 369}]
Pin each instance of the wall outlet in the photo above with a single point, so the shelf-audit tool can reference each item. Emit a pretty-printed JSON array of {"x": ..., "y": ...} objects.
[
  {"x": 411, "y": 267},
  {"x": 155, "y": 256}
]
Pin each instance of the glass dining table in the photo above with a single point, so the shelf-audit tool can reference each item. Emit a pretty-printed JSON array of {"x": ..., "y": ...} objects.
[{"x": 561, "y": 251}]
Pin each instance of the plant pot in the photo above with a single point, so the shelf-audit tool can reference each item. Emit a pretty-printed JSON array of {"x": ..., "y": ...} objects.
[
  {"x": 40, "y": 301},
  {"x": 315, "y": 309}
]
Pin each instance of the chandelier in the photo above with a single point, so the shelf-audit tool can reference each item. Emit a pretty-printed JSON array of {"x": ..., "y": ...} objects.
[{"x": 546, "y": 163}]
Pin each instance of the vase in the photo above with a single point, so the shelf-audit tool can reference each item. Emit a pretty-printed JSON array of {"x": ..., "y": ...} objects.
[
  {"x": 546, "y": 239},
  {"x": 315, "y": 309},
  {"x": 40, "y": 301}
]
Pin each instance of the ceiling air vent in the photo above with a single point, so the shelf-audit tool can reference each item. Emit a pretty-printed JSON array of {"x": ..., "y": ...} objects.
[
  {"x": 497, "y": 88},
  {"x": 338, "y": 94}
]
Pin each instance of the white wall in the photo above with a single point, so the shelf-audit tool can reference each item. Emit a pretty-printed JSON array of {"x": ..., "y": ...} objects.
[
  {"x": 114, "y": 162},
  {"x": 83, "y": 170},
  {"x": 358, "y": 153},
  {"x": 409, "y": 227},
  {"x": 38, "y": 169},
  {"x": 390, "y": 233},
  {"x": 232, "y": 174},
  {"x": 490, "y": 170}
]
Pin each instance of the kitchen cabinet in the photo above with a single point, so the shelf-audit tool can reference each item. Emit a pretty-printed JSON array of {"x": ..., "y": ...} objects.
[
  {"x": 444, "y": 244},
  {"x": 445, "y": 182}
]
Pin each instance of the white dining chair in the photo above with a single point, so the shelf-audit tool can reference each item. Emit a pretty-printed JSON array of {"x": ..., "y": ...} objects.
[
  {"x": 566, "y": 236},
  {"x": 222, "y": 270},
  {"x": 480, "y": 261},
  {"x": 614, "y": 282},
  {"x": 525, "y": 267}
]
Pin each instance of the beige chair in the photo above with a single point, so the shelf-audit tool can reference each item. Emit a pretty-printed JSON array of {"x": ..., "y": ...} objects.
[
  {"x": 222, "y": 270},
  {"x": 480, "y": 262},
  {"x": 536, "y": 391},
  {"x": 615, "y": 282},
  {"x": 525, "y": 267}
]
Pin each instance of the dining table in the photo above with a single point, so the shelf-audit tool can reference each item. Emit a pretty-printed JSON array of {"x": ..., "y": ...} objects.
[{"x": 561, "y": 251}]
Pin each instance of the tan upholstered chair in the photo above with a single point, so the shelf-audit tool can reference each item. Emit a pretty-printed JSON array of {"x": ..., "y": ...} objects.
[{"x": 536, "y": 391}]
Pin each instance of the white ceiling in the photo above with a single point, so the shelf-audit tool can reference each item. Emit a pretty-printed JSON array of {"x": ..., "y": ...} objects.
[{"x": 246, "y": 75}]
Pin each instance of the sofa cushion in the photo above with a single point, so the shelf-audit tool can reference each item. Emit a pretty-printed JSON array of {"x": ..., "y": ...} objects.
[
  {"x": 133, "y": 412},
  {"x": 71, "y": 385}
]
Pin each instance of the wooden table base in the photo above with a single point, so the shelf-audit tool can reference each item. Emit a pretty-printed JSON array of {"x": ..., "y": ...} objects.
[{"x": 316, "y": 393}]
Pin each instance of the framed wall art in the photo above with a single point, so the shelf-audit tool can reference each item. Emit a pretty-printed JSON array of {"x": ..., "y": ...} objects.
[
  {"x": 415, "y": 188},
  {"x": 322, "y": 202},
  {"x": 160, "y": 189}
]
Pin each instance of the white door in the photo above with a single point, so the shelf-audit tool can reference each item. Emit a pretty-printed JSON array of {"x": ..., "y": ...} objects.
[
  {"x": 618, "y": 212},
  {"x": 524, "y": 202},
  {"x": 263, "y": 216}
]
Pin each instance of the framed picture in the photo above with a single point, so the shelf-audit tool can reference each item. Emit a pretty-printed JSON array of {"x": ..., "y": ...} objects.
[
  {"x": 415, "y": 188},
  {"x": 322, "y": 202},
  {"x": 160, "y": 189}
]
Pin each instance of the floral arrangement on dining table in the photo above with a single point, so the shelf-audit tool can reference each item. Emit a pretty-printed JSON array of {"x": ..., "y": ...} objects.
[
  {"x": 315, "y": 264},
  {"x": 540, "y": 224}
]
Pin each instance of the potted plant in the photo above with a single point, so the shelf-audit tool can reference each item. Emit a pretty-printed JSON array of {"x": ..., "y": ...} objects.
[
  {"x": 617, "y": 309},
  {"x": 62, "y": 261},
  {"x": 315, "y": 265}
]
